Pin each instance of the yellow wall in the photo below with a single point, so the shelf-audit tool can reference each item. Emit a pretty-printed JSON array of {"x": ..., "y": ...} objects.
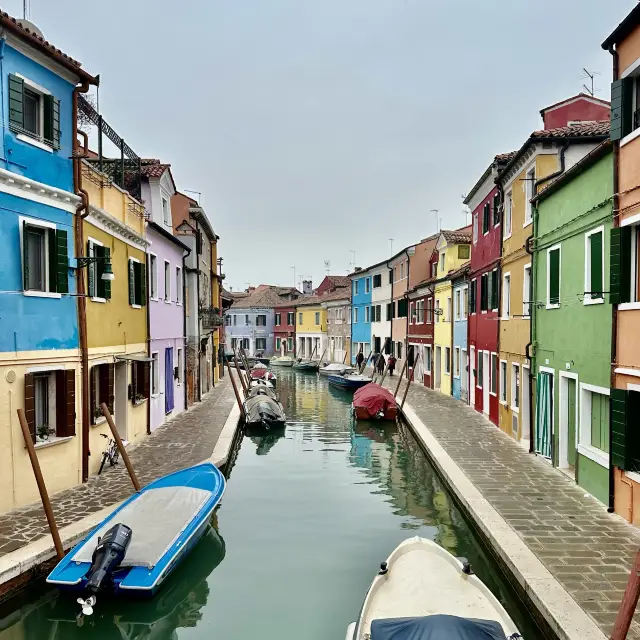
[
  {"x": 451, "y": 260},
  {"x": 442, "y": 331},
  {"x": 308, "y": 324}
]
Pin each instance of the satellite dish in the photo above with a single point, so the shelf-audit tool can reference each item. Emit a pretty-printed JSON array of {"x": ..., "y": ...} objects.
[{"x": 27, "y": 24}]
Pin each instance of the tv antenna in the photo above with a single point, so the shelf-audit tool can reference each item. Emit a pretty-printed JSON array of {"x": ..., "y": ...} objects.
[
  {"x": 198, "y": 193},
  {"x": 352, "y": 259},
  {"x": 438, "y": 219},
  {"x": 589, "y": 76},
  {"x": 327, "y": 266},
  {"x": 294, "y": 275},
  {"x": 26, "y": 9},
  {"x": 390, "y": 246}
]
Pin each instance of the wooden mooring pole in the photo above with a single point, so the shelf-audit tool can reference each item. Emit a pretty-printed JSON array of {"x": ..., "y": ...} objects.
[
  {"x": 42, "y": 488},
  {"x": 404, "y": 397},
  {"x": 404, "y": 366},
  {"x": 628, "y": 604},
  {"x": 123, "y": 452},
  {"x": 244, "y": 386},
  {"x": 235, "y": 390}
]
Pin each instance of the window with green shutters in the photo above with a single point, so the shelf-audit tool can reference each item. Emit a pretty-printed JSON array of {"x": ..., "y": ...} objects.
[
  {"x": 625, "y": 444},
  {"x": 484, "y": 291},
  {"x": 494, "y": 290},
  {"x": 472, "y": 296},
  {"x": 45, "y": 259},
  {"x": 33, "y": 111},
  {"x": 137, "y": 283},
  {"x": 97, "y": 287},
  {"x": 624, "y": 275},
  {"x": 486, "y": 213},
  {"x": 622, "y": 116},
  {"x": 594, "y": 266},
  {"x": 553, "y": 277}
]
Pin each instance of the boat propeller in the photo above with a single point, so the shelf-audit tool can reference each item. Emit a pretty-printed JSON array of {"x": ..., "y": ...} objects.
[{"x": 87, "y": 605}]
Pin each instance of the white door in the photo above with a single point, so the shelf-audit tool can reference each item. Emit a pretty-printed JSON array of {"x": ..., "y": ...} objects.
[
  {"x": 485, "y": 382},
  {"x": 472, "y": 378},
  {"x": 463, "y": 375},
  {"x": 438, "y": 368}
]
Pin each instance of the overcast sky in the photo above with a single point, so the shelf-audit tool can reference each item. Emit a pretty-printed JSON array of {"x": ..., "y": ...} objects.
[{"x": 313, "y": 128}]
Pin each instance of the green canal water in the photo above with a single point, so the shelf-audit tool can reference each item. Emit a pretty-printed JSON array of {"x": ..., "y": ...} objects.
[{"x": 307, "y": 518}]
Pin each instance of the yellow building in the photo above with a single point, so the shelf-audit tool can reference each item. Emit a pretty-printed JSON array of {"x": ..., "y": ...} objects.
[
  {"x": 453, "y": 249},
  {"x": 546, "y": 154},
  {"x": 117, "y": 335},
  {"x": 311, "y": 327}
]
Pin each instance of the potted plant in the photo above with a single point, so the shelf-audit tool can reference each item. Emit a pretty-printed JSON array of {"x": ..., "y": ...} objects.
[
  {"x": 44, "y": 431},
  {"x": 97, "y": 413},
  {"x": 139, "y": 398}
]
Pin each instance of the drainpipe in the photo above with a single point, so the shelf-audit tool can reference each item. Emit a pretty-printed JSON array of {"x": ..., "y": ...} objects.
[
  {"x": 184, "y": 326},
  {"x": 148, "y": 322},
  {"x": 198, "y": 377},
  {"x": 406, "y": 330},
  {"x": 614, "y": 308},
  {"x": 391, "y": 321},
  {"x": 82, "y": 212},
  {"x": 499, "y": 265}
]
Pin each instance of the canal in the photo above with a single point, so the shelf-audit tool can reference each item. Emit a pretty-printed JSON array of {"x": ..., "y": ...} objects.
[{"x": 307, "y": 518}]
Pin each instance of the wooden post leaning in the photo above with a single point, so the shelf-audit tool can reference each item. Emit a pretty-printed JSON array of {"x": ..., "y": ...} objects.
[
  {"x": 235, "y": 390},
  {"x": 242, "y": 382},
  {"x": 404, "y": 366},
  {"x": 42, "y": 488},
  {"x": 404, "y": 397},
  {"x": 123, "y": 452},
  {"x": 628, "y": 604}
]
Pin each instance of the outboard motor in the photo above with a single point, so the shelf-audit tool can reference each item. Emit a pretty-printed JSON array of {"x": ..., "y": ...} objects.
[{"x": 107, "y": 556}]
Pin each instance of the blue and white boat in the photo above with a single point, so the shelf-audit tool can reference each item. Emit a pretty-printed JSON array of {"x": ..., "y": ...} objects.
[
  {"x": 137, "y": 547},
  {"x": 351, "y": 382}
]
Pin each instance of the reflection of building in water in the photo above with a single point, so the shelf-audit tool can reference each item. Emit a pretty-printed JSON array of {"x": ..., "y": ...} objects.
[{"x": 310, "y": 400}]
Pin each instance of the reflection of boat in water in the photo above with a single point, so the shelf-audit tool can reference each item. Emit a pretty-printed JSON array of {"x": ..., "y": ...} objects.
[
  {"x": 179, "y": 604},
  {"x": 264, "y": 440}
]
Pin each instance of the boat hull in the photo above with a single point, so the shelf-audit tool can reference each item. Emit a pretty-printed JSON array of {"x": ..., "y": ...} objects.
[
  {"x": 262, "y": 411},
  {"x": 374, "y": 402},
  {"x": 344, "y": 383},
  {"x": 306, "y": 367},
  {"x": 338, "y": 371},
  {"x": 282, "y": 363}
]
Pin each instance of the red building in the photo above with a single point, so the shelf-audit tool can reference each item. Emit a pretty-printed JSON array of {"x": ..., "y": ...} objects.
[
  {"x": 284, "y": 331},
  {"x": 331, "y": 283},
  {"x": 582, "y": 108},
  {"x": 484, "y": 275}
]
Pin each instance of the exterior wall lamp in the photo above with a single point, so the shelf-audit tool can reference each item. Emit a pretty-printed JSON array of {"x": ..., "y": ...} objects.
[{"x": 107, "y": 270}]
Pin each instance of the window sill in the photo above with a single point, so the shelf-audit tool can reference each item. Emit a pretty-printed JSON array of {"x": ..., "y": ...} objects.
[
  {"x": 504, "y": 404},
  {"x": 52, "y": 442},
  {"x": 101, "y": 300},
  {"x": 98, "y": 421},
  {"x": 139, "y": 402},
  {"x": 594, "y": 454},
  {"x": 136, "y": 306},
  {"x": 632, "y": 475},
  {"x": 588, "y": 303},
  {"x": 168, "y": 301},
  {"x": 34, "y": 142},
  {"x": 154, "y": 298},
  {"x": 505, "y": 318},
  {"x": 491, "y": 393},
  {"x": 527, "y": 223},
  {"x": 628, "y": 306},
  {"x": 42, "y": 294},
  {"x": 506, "y": 237},
  {"x": 629, "y": 137},
  {"x": 552, "y": 306},
  {"x": 515, "y": 409}
]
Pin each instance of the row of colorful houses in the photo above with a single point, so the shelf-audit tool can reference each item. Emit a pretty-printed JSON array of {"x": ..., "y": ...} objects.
[{"x": 109, "y": 282}]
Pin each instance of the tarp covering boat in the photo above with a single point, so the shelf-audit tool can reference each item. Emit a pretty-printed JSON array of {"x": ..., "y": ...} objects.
[
  {"x": 374, "y": 402},
  {"x": 261, "y": 410},
  {"x": 436, "y": 627}
]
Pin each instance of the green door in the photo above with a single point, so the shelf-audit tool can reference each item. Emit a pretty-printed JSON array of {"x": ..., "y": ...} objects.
[{"x": 571, "y": 421}]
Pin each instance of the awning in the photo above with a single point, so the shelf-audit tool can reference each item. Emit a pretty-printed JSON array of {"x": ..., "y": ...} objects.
[{"x": 134, "y": 357}]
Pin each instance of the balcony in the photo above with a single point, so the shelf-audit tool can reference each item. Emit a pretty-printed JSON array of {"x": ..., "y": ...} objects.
[{"x": 211, "y": 318}]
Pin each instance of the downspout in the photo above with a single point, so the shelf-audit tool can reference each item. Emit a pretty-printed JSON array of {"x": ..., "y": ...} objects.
[
  {"x": 392, "y": 309},
  {"x": 198, "y": 380},
  {"x": 82, "y": 211},
  {"x": 500, "y": 280},
  {"x": 614, "y": 308},
  {"x": 3, "y": 42},
  {"x": 406, "y": 330},
  {"x": 184, "y": 327},
  {"x": 148, "y": 320}
]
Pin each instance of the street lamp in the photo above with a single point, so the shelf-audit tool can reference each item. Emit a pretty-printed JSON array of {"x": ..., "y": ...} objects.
[{"x": 107, "y": 269}]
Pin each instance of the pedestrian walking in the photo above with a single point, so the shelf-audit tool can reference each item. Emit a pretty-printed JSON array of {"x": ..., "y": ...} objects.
[
  {"x": 380, "y": 363},
  {"x": 359, "y": 359},
  {"x": 392, "y": 365}
]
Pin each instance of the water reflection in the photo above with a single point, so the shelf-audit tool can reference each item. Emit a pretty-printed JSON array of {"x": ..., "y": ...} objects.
[
  {"x": 265, "y": 440},
  {"x": 54, "y": 615}
]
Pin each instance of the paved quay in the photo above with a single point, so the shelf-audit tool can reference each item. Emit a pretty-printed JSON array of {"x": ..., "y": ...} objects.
[
  {"x": 587, "y": 550},
  {"x": 188, "y": 439}
]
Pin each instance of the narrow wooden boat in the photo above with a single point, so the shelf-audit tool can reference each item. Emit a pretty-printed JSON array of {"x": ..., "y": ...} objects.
[
  {"x": 309, "y": 366},
  {"x": 261, "y": 387},
  {"x": 374, "y": 402},
  {"x": 264, "y": 411},
  {"x": 351, "y": 382},
  {"x": 335, "y": 369},
  {"x": 423, "y": 592},
  {"x": 282, "y": 361},
  {"x": 262, "y": 373},
  {"x": 136, "y": 547}
]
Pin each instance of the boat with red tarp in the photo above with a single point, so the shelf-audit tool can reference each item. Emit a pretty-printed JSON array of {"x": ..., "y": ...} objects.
[{"x": 373, "y": 402}]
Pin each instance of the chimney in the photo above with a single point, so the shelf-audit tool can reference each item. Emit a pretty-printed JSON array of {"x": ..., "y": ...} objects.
[{"x": 307, "y": 287}]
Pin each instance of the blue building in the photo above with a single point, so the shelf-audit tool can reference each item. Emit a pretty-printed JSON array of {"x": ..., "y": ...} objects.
[
  {"x": 460, "y": 285},
  {"x": 39, "y": 345},
  {"x": 361, "y": 287}
]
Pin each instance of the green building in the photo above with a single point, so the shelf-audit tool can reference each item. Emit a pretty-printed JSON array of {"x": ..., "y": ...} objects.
[{"x": 571, "y": 320}]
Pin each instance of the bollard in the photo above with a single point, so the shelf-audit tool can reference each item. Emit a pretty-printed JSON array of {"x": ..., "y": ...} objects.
[{"x": 123, "y": 452}]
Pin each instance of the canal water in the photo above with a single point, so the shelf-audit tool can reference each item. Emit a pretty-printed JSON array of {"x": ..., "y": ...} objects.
[{"x": 307, "y": 518}]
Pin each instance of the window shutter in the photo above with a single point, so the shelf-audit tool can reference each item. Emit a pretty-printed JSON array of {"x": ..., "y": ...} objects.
[
  {"x": 103, "y": 375},
  {"x": 472, "y": 297},
  {"x": 620, "y": 265},
  {"x": 496, "y": 209},
  {"x": 48, "y": 118},
  {"x": 25, "y": 257},
  {"x": 65, "y": 403},
  {"x": 485, "y": 218},
  {"x": 92, "y": 400},
  {"x": 489, "y": 291},
  {"x": 56, "y": 124},
  {"x": 30, "y": 404},
  {"x": 70, "y": 383},
  {"x": 91, "y": 283},
  {"x": 145, "y": 372},
  {"x": 16, "y": 109},
  {"x": 98, "y": 252},
  {"x": 62, "y": 262},
  {"x": 143, "y": 285},
  {"x": 495, "y": 288},
  {"x": 554, "y": 277},
  {"x": 132, "y": 281},
  {"x": 621, "y": 108},
  {"x": 106, "y": 252},
  {"x": 596, "y": 265},
  {"x": 53, "y": 259}
]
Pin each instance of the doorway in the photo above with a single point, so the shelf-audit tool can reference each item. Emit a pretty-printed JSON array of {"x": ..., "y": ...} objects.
[
  {"x": 438, "y": 368},
  {"x": 121, "y": 398},
  {"x": 486, "y": 384},
  {"x": 472, "y": 377},
  {"x": 544, "y": 413},
  {"x": 525, "y": 414},
  {"x": 568, "y": 421},
  {"x": 464, "y": 376}
]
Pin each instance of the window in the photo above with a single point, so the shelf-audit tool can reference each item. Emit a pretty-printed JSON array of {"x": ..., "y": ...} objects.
[
  {"x": 530, "y": 184},
  {"x": 484, "y": 291},
  {"x": 34, "y": 114},
  {"x": 420, "y": 311},
  {"x": 506, "y": 296},
  {"x": 399, "y": 350},
  {"x": 277, "y": 319},
  {"x": 166, "y": 211},
  {"x": 290, "y": 318},
  {"x": 494, "y": 290},
  {"x": 526, "y": 291},
  {"x": 508, "y": 206},
  {"x": 261, "y": 320},
  {"x": 480, "y": 376},
  {"x": 167, "y": 281},
  {"x": 553, "y": 277},
  {"x": 300, "y": 318},
  {"x": 503, "y": 381},
  {"x": 389, "y": 311},
  {"x": 494, "y": 374},
  {"x": 390, "y": 276},
  {"x": 594, "y": 418},
  {"x": 377, "y": 281},
  {"x": 180, "y": 367},
  {"x": 179, "y": 285},
  {"x": 355, "y": 287},
  {"x": 247, "y": 321},
  {"x": 153, "y": 277},
  {"x": 429, "y": 310},
  {"x": 155, "y": 374},
  {"x": 475, "y": 229},
  {"x": 367, "y": 285},
  {"x": 395, "y": 274},
  {"x": 99, "y": 290},
  {"x": 447, "y": 317},
  {"x": 402, "y": 271},
  {"x": 465, "y": 302},
  {"x": 317, "y": 318},
  {"x": 427, "y": 359},
  {"x": 261, "y": 344},
  {"x": 486, "y": 213},
  {"x": 355, "y": 315},
  {"x": 496, "y": 209},
  {"x": 278, "y": 343},
  {"x": 235, "y": 318},
  {"x": 515, "y": 387},
  {"x": 366, "y": 314},
  {"x": 472, "y": 296},
  {"x": 412, "y": 313},
  {"x": 442, "y": 259},
  {"x": 434, "y": 269},
  {"x": 227, "y": 321},
  {"x": 378, "y": 313},
  {"x": 457, "y": 301},
  {"x": 137, "y": 284},
  {"x": 437, "y": 312},
  {"x": 594, "y": 266},
  {"x": 456, "y": 362},
  {"x": 447, "y": 361},
  {"x": 289, "y": 344},
  {"x": 101, "y": 380}
]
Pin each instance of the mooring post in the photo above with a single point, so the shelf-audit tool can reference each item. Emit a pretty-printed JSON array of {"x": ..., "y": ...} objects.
[
  {"x": 42, "y": 488},
  {"x": 404, "y": 397},
  {"x": 235, "y": 391},
  {"x": 628, "y": 604},
  {"x": 123, "y": 452},
  {"x": 244, "y": 386},
  {"x": 384, "y": 373},
  {"x": 404, "y": 366}
]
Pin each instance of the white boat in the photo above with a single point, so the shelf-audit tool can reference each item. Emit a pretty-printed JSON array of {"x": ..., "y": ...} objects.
[
  {"x": 335, "y": 369},
  {"x": 422, "y": 591},
  {"x": 282, "y": 361}
]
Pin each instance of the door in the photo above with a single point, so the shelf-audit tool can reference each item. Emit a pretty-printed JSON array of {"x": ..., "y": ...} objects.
[
  {"x": 544, "y": 414},
  {"x": 377, "y": 345},
  {"x": 571, "y": 422},
  {"x": 464, "y": 379},
  {"x": 485, "y": 381},
  {"x": 168, "y": 380},
  {"x": 525, "y": 411},
  {"x": 438, "y": 367},
  {"x": 121, "y": 398},
  {"x": 472, "y": 377}
]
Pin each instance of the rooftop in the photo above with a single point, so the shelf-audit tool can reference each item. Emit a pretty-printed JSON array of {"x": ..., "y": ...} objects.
[
  {"x": 624, "y": 28},
  {"x": 458, "y": 236}
]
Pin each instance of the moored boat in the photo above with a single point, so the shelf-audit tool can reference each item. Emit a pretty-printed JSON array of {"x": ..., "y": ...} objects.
[
  {"x": 310, "y": 366},
  {"x": 264, "y": 411},
  {"x": 260, "y": 372},
  {"x": 282, "y": 361},
  {"x": 374, "y": 402},
  {"x": 140, "y": 543},
  {"x": 261, "y": 387},
  {"x": 423, "y": 592},
  {"x": 335, "y": 369},
  {"x": 351, "y": 382}
]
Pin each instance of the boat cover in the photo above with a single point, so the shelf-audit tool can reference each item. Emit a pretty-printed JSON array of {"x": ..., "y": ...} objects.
[
  {"x": 436, "y": 627},
  {"x": 156, "y": 519},
  {"x": 373, "y": 398}
]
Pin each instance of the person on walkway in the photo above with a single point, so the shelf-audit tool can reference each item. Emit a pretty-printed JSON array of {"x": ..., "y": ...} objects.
[
  {"x": 380, "y": 363},
  {"x": 392, "y": 365},
  {"x": 359, "y": 359}
]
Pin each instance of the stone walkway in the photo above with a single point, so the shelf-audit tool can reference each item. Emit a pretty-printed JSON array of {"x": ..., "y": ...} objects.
[
  {"x": 186, "y": 440},
  {"x": 588, "y": 550}
]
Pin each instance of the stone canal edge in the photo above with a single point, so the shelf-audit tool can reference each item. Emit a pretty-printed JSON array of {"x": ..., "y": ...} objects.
[{"x": 18, "y": 567}]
